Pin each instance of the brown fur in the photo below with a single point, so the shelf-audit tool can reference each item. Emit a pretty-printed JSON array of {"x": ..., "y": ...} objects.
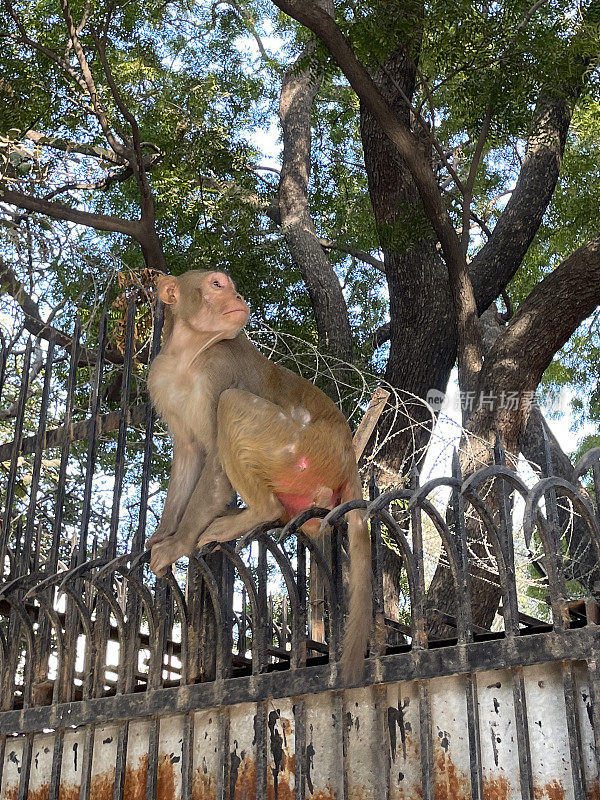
[{"x": 240, "y": 422}]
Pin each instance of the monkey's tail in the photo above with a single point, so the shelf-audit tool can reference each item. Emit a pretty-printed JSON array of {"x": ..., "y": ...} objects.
[{"x": 358, "y": 623}]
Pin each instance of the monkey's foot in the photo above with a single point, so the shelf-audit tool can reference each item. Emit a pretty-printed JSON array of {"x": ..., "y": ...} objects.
[
  {"x": 167, "y": 552},
  {"x": 159, "y": 535}
]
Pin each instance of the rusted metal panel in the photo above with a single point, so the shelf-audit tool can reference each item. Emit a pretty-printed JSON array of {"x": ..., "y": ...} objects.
[
  {"x": 281, "y": 752},
  {"x": 404, "y": 741},
  {"x": 241, "y": 748},
  {"x": 500, "y": 761},
  {"x": 13, "y": 756},
  {"x": 41, "y": 766},
  {"x": 450, "y": 738},
  {"x": 324, "y": 755},
  {"x": 361, "y": 744},
  {"x": 207, "y": 760},
  {"x": 365, "y": 780}
]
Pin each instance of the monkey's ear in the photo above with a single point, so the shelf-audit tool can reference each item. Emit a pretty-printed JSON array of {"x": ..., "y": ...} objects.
[{"x": 168, "y": 289}]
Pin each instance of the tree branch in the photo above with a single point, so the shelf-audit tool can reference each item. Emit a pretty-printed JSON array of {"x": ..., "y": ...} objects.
[
  {"x": 498, "y": 260},
  {"x": 69, "y": 146},
  {"x": 546, "y": 320},
  {"x": 381, "y": 335},
  {"x": 361, "y": 255},
  {"x": 11, "y": 285},
  {"x": 89, "y": 80},
  {"x": 56, "y": 210}
]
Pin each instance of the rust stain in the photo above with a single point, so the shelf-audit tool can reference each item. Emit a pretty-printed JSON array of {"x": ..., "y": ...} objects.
[
  {"x": 550, "y": 791},
  {"x": 497, "y": 788},
  {"x": 414, "y": 793},
  {"x": 324, "y": 794},
  {"x": 11, "y": 793},
  {"x": 284, "y": 791},
  {"x": 102, "y": 786},
  {"x": 204, "y": 786},
  {"x": 41, "y": 793},
  {"x": 165, "y": 779},
  {"x": 450, "y": 782},
  {"x": 245, "y": 785},
  {"x": 593, "y": 793},
  {"x": 136, "y": 779},
  {"x": 68, "y": 792}
]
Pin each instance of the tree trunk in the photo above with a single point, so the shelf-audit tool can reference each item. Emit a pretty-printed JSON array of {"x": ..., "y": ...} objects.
[
  {"x": 422, "y": 329},
  {"x": 298, "y": 91}
]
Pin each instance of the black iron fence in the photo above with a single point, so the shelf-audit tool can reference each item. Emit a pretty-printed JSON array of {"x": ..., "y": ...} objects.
[{"x": 89, "y": 637}]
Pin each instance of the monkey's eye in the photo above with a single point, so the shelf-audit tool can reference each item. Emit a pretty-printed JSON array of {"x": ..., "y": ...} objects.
[{"x": 216, "y": 283}]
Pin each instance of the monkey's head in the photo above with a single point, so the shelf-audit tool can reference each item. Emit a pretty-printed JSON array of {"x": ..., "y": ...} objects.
[{"x": 205, "y": 301}]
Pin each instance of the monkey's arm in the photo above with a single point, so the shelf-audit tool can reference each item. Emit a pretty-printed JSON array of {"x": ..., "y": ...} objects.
[
  {"x": 209, "y": 500},
  {"x": 187, "y": 466}
]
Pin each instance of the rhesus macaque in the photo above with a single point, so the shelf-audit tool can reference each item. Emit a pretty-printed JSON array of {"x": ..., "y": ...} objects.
[{"x": 240, "y": 422}]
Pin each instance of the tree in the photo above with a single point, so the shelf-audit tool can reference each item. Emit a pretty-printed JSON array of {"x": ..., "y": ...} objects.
[{"x": 439, "y": 111}]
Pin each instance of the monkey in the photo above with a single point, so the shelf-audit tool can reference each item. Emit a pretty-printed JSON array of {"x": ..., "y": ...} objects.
[{"x": 241, "y": 423}]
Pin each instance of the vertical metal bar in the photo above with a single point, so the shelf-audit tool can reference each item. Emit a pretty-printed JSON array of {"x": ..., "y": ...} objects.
[
  {"x": 57, "y": 759},
  {"x": 425, "y": 735},
  {"x": 522, "y": 730},
  {"x": 466, "y": 635},
  {"x": 300, "y": 748},
  {"x": 122, "y": 435},
  {"x": 260, "y": 735},
  {"x": 419, "y": 642},
  {"x": 382, "y": 753},
  {"x": 151, "y": 783},
  {"x": 25, "y": 773},
  {"x": 2, "y": 754},
  {"x": 61, "y": 488},
  {"x": 509, "y": 591},
  {"x": 92, "y": 435},
  {"x": 573, "y": 729},
  {"x": 39, "y": 448},
  {"x": 335, "y": 600},
  {"x": 121, "y": 762},
  {"x": 243, "y": 626},
  {"x": 511, "y": 625},
  {"x": 137, "y": 544},
  {"x": 14, "y": 459},
  {"x": 224, "y": 755},
  {"x": 3, "y": 360},
  {"x": 187, "y": 756},
  {"x": 261, "y": 624},
  {"x": 86, "y": 763},
  {"x": 594, "y": 688},
  {"x": 340, "y": 771},
  {"x": 378, "y": 639},
  {"x": 299, "y": 641}
]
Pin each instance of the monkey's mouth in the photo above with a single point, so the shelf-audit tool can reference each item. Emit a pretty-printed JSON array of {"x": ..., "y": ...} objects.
[{"x": 236, "y": 311}]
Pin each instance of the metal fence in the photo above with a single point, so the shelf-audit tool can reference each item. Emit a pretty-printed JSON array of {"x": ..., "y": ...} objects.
[{"x": 221, "y": 680}]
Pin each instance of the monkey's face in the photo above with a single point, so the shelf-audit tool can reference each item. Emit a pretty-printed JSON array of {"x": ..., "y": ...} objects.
[
  {"x": 207, "y": 302},
  {"x": 222, "y": 308}
]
